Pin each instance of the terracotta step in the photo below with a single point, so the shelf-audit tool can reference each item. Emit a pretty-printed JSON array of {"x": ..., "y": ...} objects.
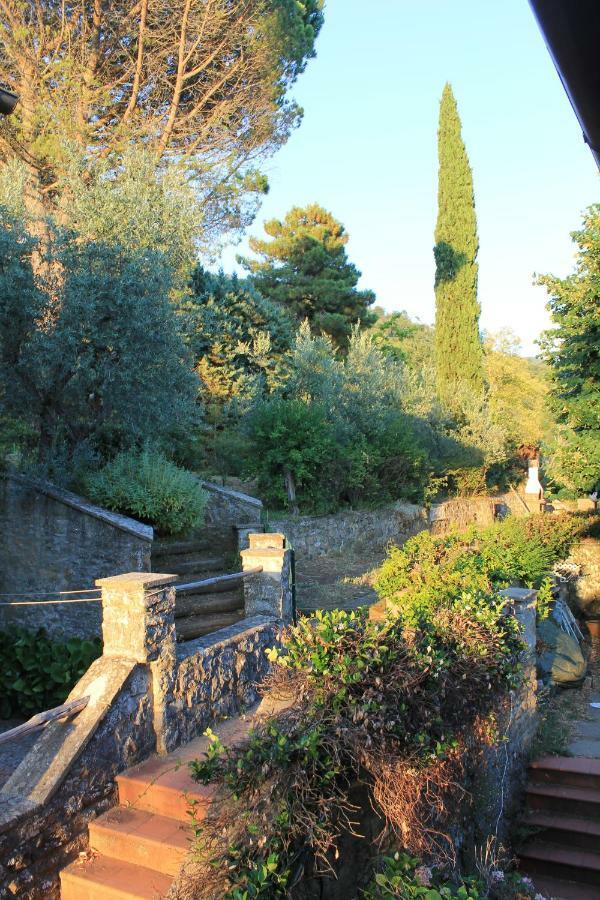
[
  {"x": 163, "y": 791},
  {"x": 134, "y": 836},
  {"x": 565, "y": 890},
  {"x": 560, "y": 828},
  {"x": 578, "y": 771},
  {"x": 566, "y": 863},
  {"x": 576, "y": 801},
  {"x": 192, "y": 627},
  {"x": 103, "y": 878},
  {"x": 204, "y": 604}
]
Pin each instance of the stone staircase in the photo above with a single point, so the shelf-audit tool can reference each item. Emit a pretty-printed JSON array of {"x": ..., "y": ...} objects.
[
  {"x": 210, "y": 553},
  {"x": 138, "y": 847},
  {"x": 562, "y": 855}
]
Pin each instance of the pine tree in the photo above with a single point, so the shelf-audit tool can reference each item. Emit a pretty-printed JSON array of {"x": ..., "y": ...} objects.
[
  {"x": 458, "y": 348},
  {"x": 305, "y": 269}
]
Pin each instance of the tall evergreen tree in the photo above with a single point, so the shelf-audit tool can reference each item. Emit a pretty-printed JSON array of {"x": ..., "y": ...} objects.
[
  {"x": 458, "y": 347},
  {"x": 305, "y": 269}
]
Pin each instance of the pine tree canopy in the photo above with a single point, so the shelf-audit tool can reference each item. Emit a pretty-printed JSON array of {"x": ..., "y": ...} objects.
[
  {"x": 458, "y": 348},
  {"x": 305, "y": 269},
  {"x": 572, "y": 349},
  {"x": 203, "y": 84}
]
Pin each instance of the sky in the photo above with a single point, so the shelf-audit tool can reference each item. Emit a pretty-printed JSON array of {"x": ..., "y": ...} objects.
[{"x": 367, "y": 150}]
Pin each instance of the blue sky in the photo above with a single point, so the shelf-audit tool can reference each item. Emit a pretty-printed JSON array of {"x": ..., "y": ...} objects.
[{"x": 366, "y": 149}]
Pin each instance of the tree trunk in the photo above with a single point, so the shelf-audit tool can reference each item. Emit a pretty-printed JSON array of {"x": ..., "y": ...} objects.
[{"x": 291, "y": 490}]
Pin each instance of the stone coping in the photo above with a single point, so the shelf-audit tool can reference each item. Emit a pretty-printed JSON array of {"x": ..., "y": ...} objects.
[
  {"x": 124, "y": 523},
  {"x": 228, "y": 492},
  {"x": 41, "y": 773},
  {"x": 223, "y": 636}
]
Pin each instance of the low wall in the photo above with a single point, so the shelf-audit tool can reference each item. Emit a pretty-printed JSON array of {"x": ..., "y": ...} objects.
[
  {"x": 146, "y": 694},
  {"x": 52, "y": 540},
  {"x": 314, "y": 536},
  {"x": 227, "y": 507},
  {"x": 584, "y": 591}
]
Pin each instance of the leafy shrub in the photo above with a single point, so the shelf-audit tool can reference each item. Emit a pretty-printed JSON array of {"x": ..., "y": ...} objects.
[
  {"x": 37, "y": 673},
  {"x": 405, "y": 877},
  {"x": 289, "y": 436},
  {"x": 516, "y": 551},
  {"x": 408, "y": 709},
  {"x": 149, "y": 487}
]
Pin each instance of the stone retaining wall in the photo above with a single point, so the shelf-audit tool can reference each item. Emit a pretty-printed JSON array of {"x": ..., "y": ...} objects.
[
  {"x": 584, "y": 592},
  {"x": 228, "y": 507},
  {"x": 53, "y": 540},
  {"x": 146, "y": 693},
  {"x": 314, "y": 536}
]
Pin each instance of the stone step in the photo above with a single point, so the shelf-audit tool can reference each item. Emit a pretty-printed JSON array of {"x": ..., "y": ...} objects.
[
  {"x": 135, "y": 836},
  {"x": 566, "y": 863},
  {"x": 576, "y": 801},
  {"x": 210, "y": 538},
  {"x": 205, "y": 604},
  {"x": 565, "y": 890},
  {"x": 164, "y": 788},
  {"x": 578, "y": 771},
  {"x": 191, "y": 627},
  {"x": 198, "y": 566},
  {"x": 104, "y": 878},
  {"x": 564, "y": 829}
]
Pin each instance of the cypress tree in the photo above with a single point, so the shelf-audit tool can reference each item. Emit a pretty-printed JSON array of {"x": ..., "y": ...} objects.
[{"x": 458, "y": 348}]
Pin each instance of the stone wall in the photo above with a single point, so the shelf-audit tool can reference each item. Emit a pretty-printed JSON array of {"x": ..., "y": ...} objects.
[
  {"x": 228, "y": 507},
  {"x": 52, "y": 540},
  {"x": 38, "y": 839},
  {"x": 146, "y": 693},
  {"x": 314, "y": 536},
  {"x": 217, "y": 676},
  {"x": 584, "y": 592}
]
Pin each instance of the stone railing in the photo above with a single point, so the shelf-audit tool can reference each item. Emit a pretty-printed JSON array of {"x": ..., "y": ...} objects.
[{"x": 146, "y": 693}]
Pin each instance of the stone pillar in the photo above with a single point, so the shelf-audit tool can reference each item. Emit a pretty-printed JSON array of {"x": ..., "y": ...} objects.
[
  {"x": 270, "y": 592},
  {"x": 521, "y": 603},
  {"x": 138, "y": 622},
  {"x": 244, "y": 532}
]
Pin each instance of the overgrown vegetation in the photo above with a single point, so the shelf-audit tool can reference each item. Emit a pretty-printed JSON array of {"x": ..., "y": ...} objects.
[
  {"x": 406, "y": 878},
  {"x": 406, "y": 707},
  {"x": 37, "y": 673},
  {"x": 149, "y": 487},
  {"x": 514, "y": 552}
]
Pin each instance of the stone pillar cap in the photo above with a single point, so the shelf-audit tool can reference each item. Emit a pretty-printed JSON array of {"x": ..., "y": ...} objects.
[{"x": 137, "y": 579}]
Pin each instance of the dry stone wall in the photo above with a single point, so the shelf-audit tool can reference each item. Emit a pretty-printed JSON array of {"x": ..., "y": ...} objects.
[
  {"x": 53, "y": 540},
  {"x": 314, "y": 536}
]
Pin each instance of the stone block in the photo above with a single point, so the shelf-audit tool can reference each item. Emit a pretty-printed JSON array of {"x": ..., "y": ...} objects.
[{"x": 266, "y": 541}]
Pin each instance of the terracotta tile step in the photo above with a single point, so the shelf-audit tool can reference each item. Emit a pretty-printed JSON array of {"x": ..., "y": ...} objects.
[
  {"x": 102, "y": 878},
  {"x": 566, "y": 863},
  {"x": 163, "y": 785},
  {"x": 578, "y": 771},
  {"x": 171, "y": 795},
  {"x": 143, "y": 838},
  {"x": 565, "y": 890},
  {"x": 561, "y": 828},
  {"x": 576, "y": 801}
]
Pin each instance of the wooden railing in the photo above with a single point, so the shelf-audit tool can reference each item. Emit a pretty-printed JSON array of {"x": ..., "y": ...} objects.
[{"x": 44, "y": 718}]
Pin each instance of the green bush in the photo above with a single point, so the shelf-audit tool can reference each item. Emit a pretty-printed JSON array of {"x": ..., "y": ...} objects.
[
  {"x": 149, "y": 487},
  {"x": 294, "y": 437},
  {"x": 37, "y": 673},
  {"x": 403, "y": 877},
  {"x": 513, "y": 552}
]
